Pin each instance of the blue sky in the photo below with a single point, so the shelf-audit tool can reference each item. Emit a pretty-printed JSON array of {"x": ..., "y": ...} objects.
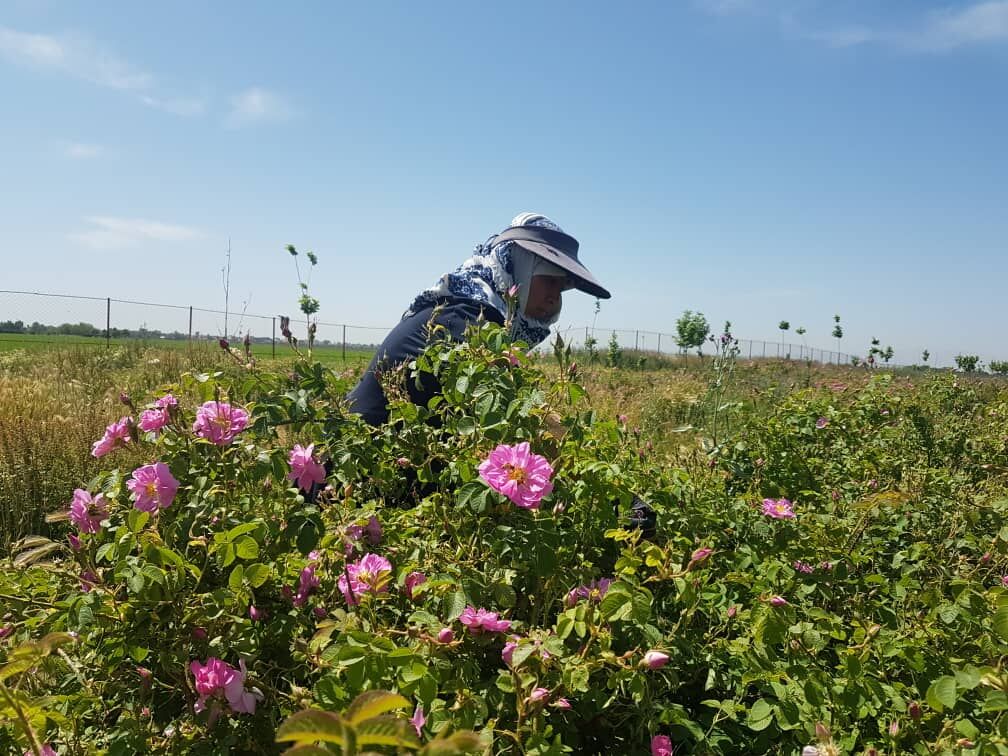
[{"x": 756, "y": 160}]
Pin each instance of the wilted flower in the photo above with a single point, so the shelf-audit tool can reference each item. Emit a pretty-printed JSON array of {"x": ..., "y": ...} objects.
[
  {"x": 661, "y": 745},
  {"x": 810, "y": 751},
  {"x": 445, "y": 635},
  {"x": 478, "y": 620},
  {"x": 779, "y": 509},
  {"x": 654, "y": 659},
  {"x": 75, "y": 541},
  {"x": 412, "y": 581},
  {"x": 153, "y": 487},
  {"x": 595, "y": 591},
  {"x": 87, "y": 512},
  {"x": 305, "y": 469},
  {"x": 517, "y": 473},
  {"x": 561, "y": 703},
  {"x": 373, "y": 531},
  {"x": 914, "y": 710},
  {"x": 368, "y": 575},
  {"x": 418, "y": 720},
  {"x": 116, "y": 435},
  {"x": 319, "y": 611},
  {"x": 803, "y": 567},
  {"x": 219, "y": 422},
  {"x": 5, "y": 631},
  {"x": 198, "y": 633},
  {"x": 88, "y": 580},
  {"x": 307, "y": 583}
]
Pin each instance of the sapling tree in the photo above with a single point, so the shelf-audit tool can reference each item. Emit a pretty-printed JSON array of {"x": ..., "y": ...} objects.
[
  {"x": 691, "y": 331},
  {"x": 968, "y": 363},
  {"x": 784, "y": 326}
]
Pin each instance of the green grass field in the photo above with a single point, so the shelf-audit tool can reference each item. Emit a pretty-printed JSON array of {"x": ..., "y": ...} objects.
[{"x": 328, "y": 355}]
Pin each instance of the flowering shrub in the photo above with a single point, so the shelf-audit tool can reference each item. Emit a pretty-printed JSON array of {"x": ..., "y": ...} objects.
[{"x": 464, "y": 579}]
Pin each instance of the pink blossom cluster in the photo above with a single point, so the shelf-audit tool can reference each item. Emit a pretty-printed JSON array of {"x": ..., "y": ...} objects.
[
  {"x": 517, "y": 473},
  {"x": 117, "y": 435},
  {"x": 218, "y": 679},
  {"x": 219, "y": 422},
  {"x": 87, "y": 512},
  {"x": 154, "y": 419},
  {"x": 593, "y": 592},
  {"x": 305, "y": 469},
  {"x": 778, "y": 509},
  {"x": 153, "y": 487},
  {"x": 369, "y": 575},
  {"x": 480, "y": 620}
]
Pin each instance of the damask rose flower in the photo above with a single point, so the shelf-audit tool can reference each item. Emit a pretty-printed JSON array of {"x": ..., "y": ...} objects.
[
  {"x": 219, "y": 422},
  {"x": 305, "y": 469},
  {"x": 778, "y": 509},
  {"x": 87, "y": 512},
  {"x": 479, "y": 620},
  {"x": 116, "y": 436},
  {"x": 518, "y": 474},
  {"x": 369, "y": 575},
  {"x": 153, "y": 487}
]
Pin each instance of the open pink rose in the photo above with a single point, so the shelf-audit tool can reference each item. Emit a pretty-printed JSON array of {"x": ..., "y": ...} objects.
[
  {"x": 305, "y": 469},
  {"x": 116, "y": 435},
  {"x": 153, "y": 487},
  {"x": 219, "y": 422},
  {"x": 478, "y": 620},
  {"x": 517, "y": 473},
  {"x": 87, "y": 512}
]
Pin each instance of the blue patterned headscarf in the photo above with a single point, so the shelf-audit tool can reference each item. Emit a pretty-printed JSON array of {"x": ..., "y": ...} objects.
[{"x": 486, "y": 277}]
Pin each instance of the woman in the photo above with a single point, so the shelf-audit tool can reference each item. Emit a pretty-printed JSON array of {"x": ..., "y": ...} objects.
[{"x": 532, "y": 254}]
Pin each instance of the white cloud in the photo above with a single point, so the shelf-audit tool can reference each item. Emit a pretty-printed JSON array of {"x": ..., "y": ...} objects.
[
  {"x": 77, "y": 56},
  {"x": 113, "y": 233},
  {"x": 725, "y": 7},
  {"x": 937, "y": 31},
  {"x": 73, "y": 55},
  {"x": 81, "y": 151},
  {"x": 256, "y": 105},
  {"x": 181, "y": 106}
]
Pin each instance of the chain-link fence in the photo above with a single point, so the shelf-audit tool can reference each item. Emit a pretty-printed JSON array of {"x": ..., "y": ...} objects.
[
  {"x": 664, "y": 344},
  {"x": 35, "y": 316}
]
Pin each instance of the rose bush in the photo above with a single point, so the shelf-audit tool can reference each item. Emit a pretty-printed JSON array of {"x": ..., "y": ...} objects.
[{"x": 276, "y": 563}]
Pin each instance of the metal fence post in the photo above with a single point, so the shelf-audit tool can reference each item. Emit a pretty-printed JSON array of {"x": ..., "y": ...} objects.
[
  {"x": 659, "y": 342},
  {"x": 190, "y": 324},
  {"x": 274, "y": 336},
  {"x": 344, "y": 344},
  {"x": 108, "y": 322}
]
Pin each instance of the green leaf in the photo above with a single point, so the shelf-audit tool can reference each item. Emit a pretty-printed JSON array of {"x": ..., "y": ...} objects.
[
  {"x": 1000, "y": 622},
  {"x": 371, "y": 703},
  {"x": 256, "y": 574},
  {"x": 455, "y": 604},
  {"x": 760, "y": 715},
  {"x": 941, "y": 694},
  {"x": 247, "y": 548},
  {"x": 236, "y": 577},
  {"x": 387, "y": 731},
  {"x": 459, "y": 744},
  {"x": 312, "y": 725}
]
